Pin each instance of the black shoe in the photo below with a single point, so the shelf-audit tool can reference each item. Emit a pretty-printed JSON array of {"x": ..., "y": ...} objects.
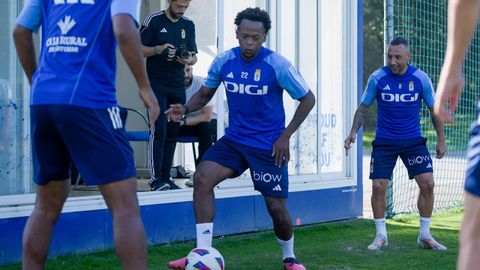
[
  {"x": 157, "y": 185},
  {"x": 173, "y": 186}
]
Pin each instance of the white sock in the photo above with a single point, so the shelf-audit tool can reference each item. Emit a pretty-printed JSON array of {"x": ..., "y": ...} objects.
[
  {"x": 287, "y": 248},
  {"x": 425, "y": 226},
  {"x": 204, "y": 234},
  {"x": 381, "y": 226}
]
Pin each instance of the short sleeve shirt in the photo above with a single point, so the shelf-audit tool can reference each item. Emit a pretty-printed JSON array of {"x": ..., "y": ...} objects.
[{"x": 158, "y": 29}]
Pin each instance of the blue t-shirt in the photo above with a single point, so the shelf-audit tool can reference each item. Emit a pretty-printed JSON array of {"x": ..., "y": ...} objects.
[
  {"x": 77, "y": 63},
  {"x": 255, "y": 94},
  {"x": 399, "y": 101}
]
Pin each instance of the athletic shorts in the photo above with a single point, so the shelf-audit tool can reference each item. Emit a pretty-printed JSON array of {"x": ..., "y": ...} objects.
[
  {"x": 93, "y": 139},
  {"x": 268, "y": 179},
  {"x": 472, "y": 181},
  {"x": 412, "y": 151}
]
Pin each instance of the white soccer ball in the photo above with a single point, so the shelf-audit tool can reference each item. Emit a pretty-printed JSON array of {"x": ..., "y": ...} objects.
[{"x": 206, "y": 258}]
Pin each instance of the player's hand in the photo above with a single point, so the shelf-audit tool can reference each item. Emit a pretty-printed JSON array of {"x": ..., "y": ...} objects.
[
  {"x": 449, "y": 89},
  {"x": 348, "y": 142},
  {"x": 151, "y": 103},
  {"x": 281, "y": 151},
  {"x": 175, "y": 112},
  {"x": 441, "y": 149}
]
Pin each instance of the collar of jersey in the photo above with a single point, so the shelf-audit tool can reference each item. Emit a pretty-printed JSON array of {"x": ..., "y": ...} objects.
[{"x": 255, "y": 60}]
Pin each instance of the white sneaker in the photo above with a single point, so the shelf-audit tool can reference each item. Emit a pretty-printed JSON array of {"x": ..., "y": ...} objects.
[
  {"x": 427, "y": 241},
  {"x": 379, "y": 242},
  {"x": 189, "y": 183}
]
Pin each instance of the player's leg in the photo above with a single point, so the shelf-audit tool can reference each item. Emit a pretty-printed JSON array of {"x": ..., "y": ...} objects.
[
  {"x": 379, "y": 205},
  {"x": 470, "y": 231},
  {"x": 272, "y": 182},
  {"x": 206, "y": 177},
  {"x": 383, "y": 159},
  {"x": 51, "y": 162},
  {"x": 99, "y": 147},
  {"x": 470, "y": 234},
  {"x": 222, "y": 161},
  {"x": 38, "y": 230},
  {"x": 128, "y": 230},
  {"x": 426, "y": 197},
  {"x": 282, "y": 226},
  {"x": 417, "y": 160}
]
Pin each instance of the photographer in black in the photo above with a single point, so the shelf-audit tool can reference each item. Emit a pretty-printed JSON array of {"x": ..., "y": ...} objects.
[{"x": 168, "y": 40}]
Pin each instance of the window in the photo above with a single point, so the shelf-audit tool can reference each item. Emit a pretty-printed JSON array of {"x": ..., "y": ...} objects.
[{"x": 14, "y": 103}]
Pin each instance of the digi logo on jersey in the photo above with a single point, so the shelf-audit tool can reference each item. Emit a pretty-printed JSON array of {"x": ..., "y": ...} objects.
[
  {"x": 248, "y": 89},
  {"x": 266, "y": 177},
  {"x": 389, "y": 97}
]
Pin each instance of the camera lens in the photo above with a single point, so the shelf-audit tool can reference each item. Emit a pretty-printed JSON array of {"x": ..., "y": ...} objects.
[{"x": 183, "y": 53}]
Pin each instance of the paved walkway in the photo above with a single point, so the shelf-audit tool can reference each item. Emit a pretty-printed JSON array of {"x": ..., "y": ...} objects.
[{"x": 367, "y": 187}]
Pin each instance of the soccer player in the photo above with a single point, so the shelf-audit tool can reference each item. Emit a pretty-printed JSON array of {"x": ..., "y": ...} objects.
[
  {"x": 462, "y": 19},
  {"x": 399, "y": 89},
  {"x": 74, "y": 116},
  {"x": 254, "y": 78}
]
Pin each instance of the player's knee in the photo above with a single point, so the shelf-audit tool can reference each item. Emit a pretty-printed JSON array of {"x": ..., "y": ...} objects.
[
  {"x": 50, "y": 214},
  {"x": 427, "y": 187},
  {"x": 201, "y": 180},
  {"x": 379, "y": 188},
  {"x": 277, "y": 211}
]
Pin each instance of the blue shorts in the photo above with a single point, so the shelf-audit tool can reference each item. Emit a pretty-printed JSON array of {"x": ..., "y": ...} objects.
[
  {"x": 472, "y": 181},
  {"x": 268, "y": 179},
  {"x": 412, "y": 151},
  {"x": 94, "y": 139}
]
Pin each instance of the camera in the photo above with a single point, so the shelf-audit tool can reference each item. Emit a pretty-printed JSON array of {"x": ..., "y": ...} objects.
[{"x": 182, "y": 52}]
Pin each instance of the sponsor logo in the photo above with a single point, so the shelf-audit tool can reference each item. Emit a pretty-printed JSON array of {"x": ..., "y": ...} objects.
[
  {"x": 230, "y": 75},
  {"x": 399, "y": 86},
  {"x": 256, "y": 77},
  {"x": 248, "y": 89},
  {"x": 418, "y": 160},
  {"x": 207, "y": 232},
  {"x": 63, "y": 43},
  {"x": 61, "y": 2},
  {"x": 386, "y": 87},
  {"x": 411, "y": 86},
  {"x": 163, "y": 30},
  {"x": 66, "y": 24},
  {"x": 244, "y": 75},
  {"x": 388, "y": 97},
  {"x": 429, "y": 165},
  {"x": 266, "y": 177},
  {"x": 277, "y": 188}
]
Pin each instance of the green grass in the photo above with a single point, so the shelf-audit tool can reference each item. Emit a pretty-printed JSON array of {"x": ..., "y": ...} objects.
[
  {"x": 335, "y": 245},
  {"x": 367, "y": 139}
]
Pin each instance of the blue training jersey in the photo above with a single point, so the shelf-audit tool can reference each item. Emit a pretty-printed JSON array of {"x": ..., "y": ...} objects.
[
  {"x": 77, "y": 63},
  {"x": 255, "y": 94},
  {"x": 399, "y": 101}
]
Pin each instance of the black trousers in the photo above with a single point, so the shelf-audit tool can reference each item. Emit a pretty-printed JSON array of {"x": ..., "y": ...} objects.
[
  {"x": 165, "y": 136},
  {"x": 206, "y": 133}
]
